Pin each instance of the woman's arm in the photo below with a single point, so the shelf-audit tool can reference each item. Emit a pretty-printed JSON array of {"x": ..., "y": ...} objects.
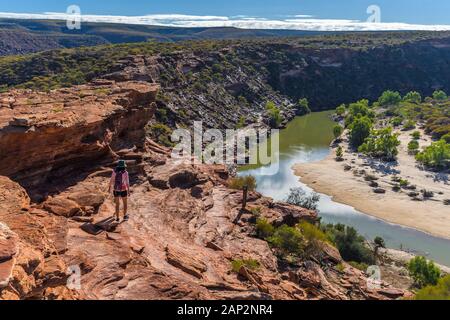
[{"x": 111, "y": 181}]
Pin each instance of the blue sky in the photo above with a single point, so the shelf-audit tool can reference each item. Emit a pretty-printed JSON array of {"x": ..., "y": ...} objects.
[{"x": 427, "y": 12}]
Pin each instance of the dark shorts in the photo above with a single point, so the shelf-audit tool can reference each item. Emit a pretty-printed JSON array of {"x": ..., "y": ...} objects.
[{"x": 120, "y": 194}]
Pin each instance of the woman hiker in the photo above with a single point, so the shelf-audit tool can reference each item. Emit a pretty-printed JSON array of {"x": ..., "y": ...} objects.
[{"x": 120, "y": 184}]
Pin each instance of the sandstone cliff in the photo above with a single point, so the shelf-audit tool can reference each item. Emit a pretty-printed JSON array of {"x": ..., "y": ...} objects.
[{"x": 59, "y": 148}]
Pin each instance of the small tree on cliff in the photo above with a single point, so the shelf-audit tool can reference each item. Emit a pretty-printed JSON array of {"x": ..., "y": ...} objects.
[
  {"x": 303, "y": 107},
  {"x": 244, "y": 183}
]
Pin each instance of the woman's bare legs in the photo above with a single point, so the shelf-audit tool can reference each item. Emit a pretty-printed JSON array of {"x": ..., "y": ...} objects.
[
  {"x": 117, "y": 202},
  {"x": 125, "y": 205}
]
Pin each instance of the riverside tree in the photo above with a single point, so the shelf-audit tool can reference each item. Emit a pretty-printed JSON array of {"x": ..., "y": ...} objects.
[
  {"x": 381, "y": 143},
  {"x": 360, "y": 130}
]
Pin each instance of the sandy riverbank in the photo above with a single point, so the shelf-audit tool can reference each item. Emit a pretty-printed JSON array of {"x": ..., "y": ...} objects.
[{"x": 345, "y": 182}]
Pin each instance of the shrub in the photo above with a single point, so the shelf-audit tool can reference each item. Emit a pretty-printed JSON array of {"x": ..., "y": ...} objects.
[
  {"x": 303, "y": 106},
  {"x": 413, "y": 146},
  {"x": 238, "y": 183},
  {"x": 359, "y": 131},
  {"x": 337, "y": 131},
  {"x": 298, "y": 197},
  {"x": 413, "y": 96},
  {"x": 339, "y": 153},
  {"x": 415, "y": 135},
  {"x": 423, "y": 272},
  {"x": 340, "y": 111},
  {"x": 437, "y": 155},
  {"x": 379, "y": 242},
  {"x": 360, "y": 266},
  {"x": 274, "y": 114},
  {"x": 409, "y": 125},
  {"x": 350, "y": 244},
  {"x": 397, "y": 121},
  {"x": 441, "y": 291},
  {"x": 251, "y": 264},
  {"x": 439, "y": 95},
  {"x": 311, "y": 233},
  {"x": 288, "y": 240},
  {"x": 389, "y": 98},
  {"x": 446, "y": 137},
  {"x": 264, "y": 229},
  {"x": 161, "y": 133}
]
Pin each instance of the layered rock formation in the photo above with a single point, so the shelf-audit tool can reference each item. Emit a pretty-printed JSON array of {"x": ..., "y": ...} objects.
[{"x": 186, "y": 225}]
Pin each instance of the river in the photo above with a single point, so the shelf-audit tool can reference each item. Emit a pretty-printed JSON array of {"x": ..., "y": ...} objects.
[{"x": 307, "y": 139}]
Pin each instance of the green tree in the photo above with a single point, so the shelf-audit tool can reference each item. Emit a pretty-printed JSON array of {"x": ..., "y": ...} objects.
[
  {"x": 340, "y": 111},
  {"x": 337, "y": 131},
  {"x": 360, "y": 130},
  {"x": 423, "y": 272},
  {"x": 303, "y": 107},
  {"x": 437, "y": 155},
  {"x": 439, "y": 95},
  {"x": 413, "y": 96},
  {"x": 274, "y": 114},
  {"x": 441, "y": 291},
  {"x": 381, "y": 143},
  {"x": 389, "y": 98}
]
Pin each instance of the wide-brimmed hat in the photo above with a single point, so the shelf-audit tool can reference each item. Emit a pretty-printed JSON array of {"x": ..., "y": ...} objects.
[{"x": 121, "y": 164}]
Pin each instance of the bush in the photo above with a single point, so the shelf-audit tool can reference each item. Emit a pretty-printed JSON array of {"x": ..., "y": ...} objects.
[
  {"x": 298, "y": 197},
  {"x": 340, "y": 111},
  {"x": 379, "y": 242},
  {"x": 423, "y": 272},
  {"x": 238, "y": 183},
  {"x": 360, "y": 266},
  {"x": 160, "y": 133},
  {"x": 415, "y": 135},
  {"x": 360, "y": 130},
  {"x": 275, "y": 118},
  {"x": 264, "y": 229},
  {"x": 441, "y": 291},
  {"x": 350, "y": 244},
  {"x": 251, "y": 264},
  {"x": 339, "y": 153},
  {"x": 390, "y": 98},
  {"x": 413, "y": 146},
  {"x": 337, "y": 131},
  {"x": 436, "y": 156},
  {"x": 439, "y": 95},
  {"x": 311, "y": 233},
  {"x": 288, "y": 240},
  {"x": 409, "y": 125},
  {"x": 413, "y": 96},
  {"x": 397, "y": 121},
  {"x": 303, "y": 106},
  {"x": 446, "y": 137},
  {"x": 381, "y": 144}
]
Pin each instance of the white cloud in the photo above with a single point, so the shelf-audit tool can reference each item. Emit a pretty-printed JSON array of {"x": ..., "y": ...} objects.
[{"x": 295, "y": 22}]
